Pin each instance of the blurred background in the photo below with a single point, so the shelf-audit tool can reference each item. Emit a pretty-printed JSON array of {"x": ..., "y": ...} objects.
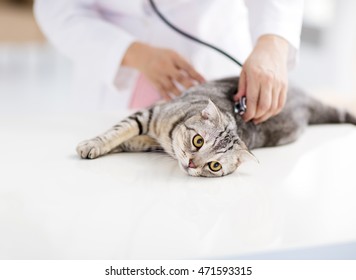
[
  {"x": 35, "y": 77},
  {"x": 39, "y": 219}
]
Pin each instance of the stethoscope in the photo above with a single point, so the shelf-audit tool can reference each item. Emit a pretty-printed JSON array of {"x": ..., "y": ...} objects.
[{"x": 240, "y": 106}]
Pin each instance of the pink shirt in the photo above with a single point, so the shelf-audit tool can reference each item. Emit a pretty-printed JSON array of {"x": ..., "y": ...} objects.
[{"x": 144, "y": 94}]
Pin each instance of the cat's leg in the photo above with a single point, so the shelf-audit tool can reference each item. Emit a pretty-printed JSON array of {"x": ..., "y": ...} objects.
[
  {"x": 134, "y": 125},
  {"x": 320, "y": 113},
  {"x": 315, "y": 111},
  {"x": 141, "y": 143},
  {"x": 303, "y": 110}
]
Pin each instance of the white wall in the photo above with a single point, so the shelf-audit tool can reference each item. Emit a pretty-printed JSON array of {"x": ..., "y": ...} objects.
[{"x": 330, "y": 67}]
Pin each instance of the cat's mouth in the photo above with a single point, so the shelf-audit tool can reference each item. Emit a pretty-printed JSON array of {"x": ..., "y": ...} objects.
[
  {"x": 188, "y": 170},
  {"x": 185, "y": 163}
]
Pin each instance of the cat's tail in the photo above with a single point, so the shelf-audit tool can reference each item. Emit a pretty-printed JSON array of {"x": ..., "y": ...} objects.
[{"x": 321, "y": 113}]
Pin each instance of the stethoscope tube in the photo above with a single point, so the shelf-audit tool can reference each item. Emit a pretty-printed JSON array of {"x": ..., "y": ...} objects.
[
  {"x": 240, "y": 106},
  {"x": 191, "y": 37}
]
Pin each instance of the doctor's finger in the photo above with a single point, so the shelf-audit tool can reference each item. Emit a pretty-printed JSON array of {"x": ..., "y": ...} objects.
[
  {"x": 252, "y": 92},
  {"x": 282, "y": 99},
  {"x": 163, "y": 92},
  {"x": 264, "y": 101},
  {"x": 159, "y": 85},
  {"x": 273, "y": 109},
  {"x": 179, "y": 77},
  {"x": 169, "y": 86},
  {"x": 241, "y": 87},
  {"x": 184, "y": 65},
  {"x": 275, "y": 103}
]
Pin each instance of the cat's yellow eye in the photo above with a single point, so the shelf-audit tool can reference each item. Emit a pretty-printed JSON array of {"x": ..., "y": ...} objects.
[
  {"x": 198, "y": 141},
  {"x": 214, "y": 166}
]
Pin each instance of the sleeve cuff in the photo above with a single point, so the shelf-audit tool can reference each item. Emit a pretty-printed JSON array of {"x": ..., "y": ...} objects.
[
  {"x": 279, "y": 18},
  {"x": 113, "y": 58}
]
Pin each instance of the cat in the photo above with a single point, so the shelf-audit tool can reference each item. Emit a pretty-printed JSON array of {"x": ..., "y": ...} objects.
[{"x": 201, "y": 131}]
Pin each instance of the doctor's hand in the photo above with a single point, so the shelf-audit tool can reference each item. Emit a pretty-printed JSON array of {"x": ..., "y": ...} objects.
[
  {"x": 164, "y": 68},
  {"x": 263, "y": 79}
]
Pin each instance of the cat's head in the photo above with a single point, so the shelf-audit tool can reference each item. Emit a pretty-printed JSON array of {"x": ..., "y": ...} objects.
[{"x": 207, "y": 144}]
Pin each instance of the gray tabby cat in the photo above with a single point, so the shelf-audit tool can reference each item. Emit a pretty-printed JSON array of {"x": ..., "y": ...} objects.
[{"x": 201, "y": 131}]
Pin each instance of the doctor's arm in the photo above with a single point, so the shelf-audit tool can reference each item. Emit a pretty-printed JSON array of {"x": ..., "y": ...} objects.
[
  {"x": 78, "y": 30},
  {"x": 163, "y": 67},
  {"x": 275, "y": 27}
]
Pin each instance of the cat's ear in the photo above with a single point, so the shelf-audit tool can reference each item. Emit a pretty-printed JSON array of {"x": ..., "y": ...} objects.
[
  {"x": 245, "y": 154},
  {"x": 212, "y": 113}
]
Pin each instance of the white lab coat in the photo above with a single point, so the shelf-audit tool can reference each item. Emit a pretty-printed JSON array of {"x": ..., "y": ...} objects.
[{"x": 96, "y": 34}]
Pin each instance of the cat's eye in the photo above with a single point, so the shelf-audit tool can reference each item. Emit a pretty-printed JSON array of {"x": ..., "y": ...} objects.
[
  {"x": 198, "y": 141},
  {"x": 214, "y": 166}
]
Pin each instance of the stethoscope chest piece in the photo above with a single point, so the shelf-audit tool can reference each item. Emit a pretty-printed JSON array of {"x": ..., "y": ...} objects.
[{"x": 240, "y": 106}]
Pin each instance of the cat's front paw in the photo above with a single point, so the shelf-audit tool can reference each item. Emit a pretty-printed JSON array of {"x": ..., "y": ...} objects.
[{"x": 89, "y": 149}]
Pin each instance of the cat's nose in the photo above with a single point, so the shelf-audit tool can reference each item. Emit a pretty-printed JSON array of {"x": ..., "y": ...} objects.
[{"x": 191, "y": 164}]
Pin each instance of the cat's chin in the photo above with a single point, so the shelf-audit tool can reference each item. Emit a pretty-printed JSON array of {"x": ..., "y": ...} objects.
[
  {"x": 188, "y": 171},
  {"x": 183, "y": 167},
  {"x": 193, "y": 173}
]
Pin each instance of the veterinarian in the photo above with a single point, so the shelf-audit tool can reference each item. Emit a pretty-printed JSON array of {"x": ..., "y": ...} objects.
[{"x": 136, "y": 59}]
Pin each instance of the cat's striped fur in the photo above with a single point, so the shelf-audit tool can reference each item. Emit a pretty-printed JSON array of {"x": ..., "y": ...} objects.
[{"x": 207, "y": 111}]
